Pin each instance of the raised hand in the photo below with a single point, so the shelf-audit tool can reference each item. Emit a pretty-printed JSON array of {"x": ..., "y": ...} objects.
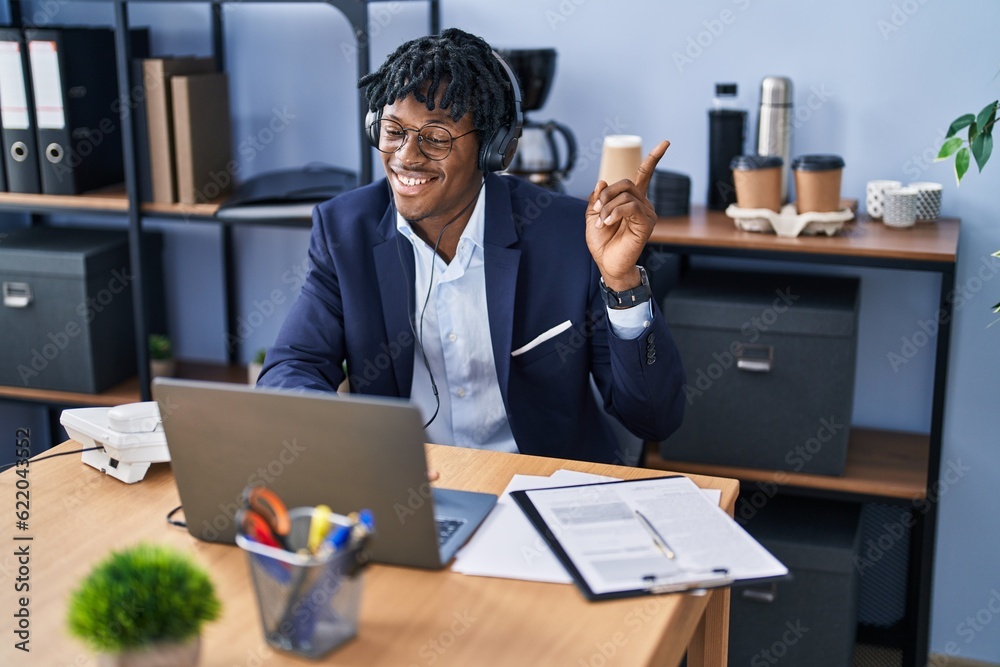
[{"x": 619, "y": 221}]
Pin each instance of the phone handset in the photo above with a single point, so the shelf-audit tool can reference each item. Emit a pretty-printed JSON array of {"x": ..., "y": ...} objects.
[{"x": 141, "y": 417}]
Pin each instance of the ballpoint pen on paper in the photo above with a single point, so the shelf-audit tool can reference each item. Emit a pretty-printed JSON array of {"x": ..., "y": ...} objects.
[{"x": 655, "y": 534}]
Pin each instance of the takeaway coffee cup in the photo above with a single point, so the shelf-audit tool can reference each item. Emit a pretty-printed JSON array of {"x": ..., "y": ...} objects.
[
  {"x": 620, "y": 157},
  {"x": 817, "y": 183},
  {"x": 758, "y": 181}
]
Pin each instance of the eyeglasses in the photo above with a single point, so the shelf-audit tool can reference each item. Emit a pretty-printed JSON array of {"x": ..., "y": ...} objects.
[{"x": 434, "y": 141}]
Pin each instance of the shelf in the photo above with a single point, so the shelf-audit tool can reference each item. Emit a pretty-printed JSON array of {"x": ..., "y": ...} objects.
[
  {"x": 114, "y": 200},
  {"x": 182, "y": 210},
  {"x": 107, "y": 200},
  {"x": 886, "y": 464},
  {"x": 128, "y": 391},
  {"x": 926, "y": 246}
]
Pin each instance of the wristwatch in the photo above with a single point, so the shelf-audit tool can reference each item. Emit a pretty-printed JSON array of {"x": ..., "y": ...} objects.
[{"x": 628, "y": 298}]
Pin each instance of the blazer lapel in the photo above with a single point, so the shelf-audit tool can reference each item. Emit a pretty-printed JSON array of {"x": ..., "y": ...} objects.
[
  {"x": 394, "y": 266},
  {"x": 501, "y": 264}
]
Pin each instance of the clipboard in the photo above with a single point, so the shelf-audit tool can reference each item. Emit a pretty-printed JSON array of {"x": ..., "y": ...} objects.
[{"x": 665, "y": 536}]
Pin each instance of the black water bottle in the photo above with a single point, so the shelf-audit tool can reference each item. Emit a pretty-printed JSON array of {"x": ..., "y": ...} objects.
[{"x": 726, "y": 133}]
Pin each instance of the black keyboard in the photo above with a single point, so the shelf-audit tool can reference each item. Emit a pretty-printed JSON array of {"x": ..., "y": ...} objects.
[{"x": 447, "y": 527}]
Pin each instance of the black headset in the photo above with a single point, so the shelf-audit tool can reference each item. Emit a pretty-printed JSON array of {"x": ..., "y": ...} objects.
[{"x": 497, "y": 150}]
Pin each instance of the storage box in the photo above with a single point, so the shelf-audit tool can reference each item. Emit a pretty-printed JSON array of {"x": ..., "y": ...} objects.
[
  {"x": 770, "y": 363},
  {"x": 809, "y": 619},
  {"x": 66, "y": 317}
]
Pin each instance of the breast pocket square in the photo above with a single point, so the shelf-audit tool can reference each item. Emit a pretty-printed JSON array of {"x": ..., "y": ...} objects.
[{"x": 538, "y": 340}]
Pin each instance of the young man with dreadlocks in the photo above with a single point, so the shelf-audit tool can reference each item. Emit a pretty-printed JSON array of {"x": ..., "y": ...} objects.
[{"x": 473, "y": 294}]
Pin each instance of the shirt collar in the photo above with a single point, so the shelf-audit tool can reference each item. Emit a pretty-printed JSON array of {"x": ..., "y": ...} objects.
[{"x": 475, "y": 231}]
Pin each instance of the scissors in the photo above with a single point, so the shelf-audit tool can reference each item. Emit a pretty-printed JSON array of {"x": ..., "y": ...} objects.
[
  {"x": 266, "y": 504},
  {"x": 256, "y": 527}
]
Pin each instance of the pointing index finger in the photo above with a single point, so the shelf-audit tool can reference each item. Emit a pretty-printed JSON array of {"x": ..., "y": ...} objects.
[{"x": 645, "y": 171}]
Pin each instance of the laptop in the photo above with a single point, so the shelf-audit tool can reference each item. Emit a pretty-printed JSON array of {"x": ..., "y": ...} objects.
[{"x": 346, "y": 451}]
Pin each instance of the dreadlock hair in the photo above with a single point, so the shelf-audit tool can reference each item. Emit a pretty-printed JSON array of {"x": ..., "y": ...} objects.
[{"x": 464, "y": 63}]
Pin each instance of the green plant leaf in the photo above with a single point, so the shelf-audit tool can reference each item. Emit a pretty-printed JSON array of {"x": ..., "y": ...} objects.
[
  {"x": 981, "y": 149},
  {"x": 959, "y": 123},
  {"x": 961, "y": 164},
  {"x": 986, "y": 116},
  {"x": 973, "y": 132},
  {"x": 949, "y": 147}
]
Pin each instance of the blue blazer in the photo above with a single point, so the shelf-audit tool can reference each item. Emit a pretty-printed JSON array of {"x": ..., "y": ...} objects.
[{"x": 356, "y": 303}]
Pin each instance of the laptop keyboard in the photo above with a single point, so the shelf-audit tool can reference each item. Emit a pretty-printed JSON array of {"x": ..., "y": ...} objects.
[{"x": 446, "y": 528}]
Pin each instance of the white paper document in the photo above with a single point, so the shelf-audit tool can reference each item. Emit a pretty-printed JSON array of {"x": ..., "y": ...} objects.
[
  {"x": 507, "y": 545},
  {"x": 687, "y": 541}
]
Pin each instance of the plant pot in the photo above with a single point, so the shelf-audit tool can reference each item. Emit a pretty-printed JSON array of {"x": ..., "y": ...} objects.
[
  {"x": 253, "y": 372},
  {"x": 167, "y": 654},
  {"x": 162, "y": 367}
]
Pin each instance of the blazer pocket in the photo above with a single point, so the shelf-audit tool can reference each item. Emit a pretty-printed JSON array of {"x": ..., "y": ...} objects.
[{"x": 543, "y": 344}]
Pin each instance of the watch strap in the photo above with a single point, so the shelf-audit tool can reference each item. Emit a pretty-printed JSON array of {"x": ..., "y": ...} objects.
[{"x": 628, "y": 298}]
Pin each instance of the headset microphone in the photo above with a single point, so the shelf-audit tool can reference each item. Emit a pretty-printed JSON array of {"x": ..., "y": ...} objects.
[{"x": 418, "y": 329}]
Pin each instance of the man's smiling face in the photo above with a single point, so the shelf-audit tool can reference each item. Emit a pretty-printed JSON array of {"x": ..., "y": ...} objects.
[{"x": 426, "y": 190}]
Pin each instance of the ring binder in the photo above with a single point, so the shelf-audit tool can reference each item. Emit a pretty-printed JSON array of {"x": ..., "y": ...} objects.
[
  {"x": 20, "y": 154},
  {"x": 75, "y": 91}
]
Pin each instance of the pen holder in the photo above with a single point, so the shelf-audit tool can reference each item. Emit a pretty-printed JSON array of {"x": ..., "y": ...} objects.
[{"x": 308, "y": 603}]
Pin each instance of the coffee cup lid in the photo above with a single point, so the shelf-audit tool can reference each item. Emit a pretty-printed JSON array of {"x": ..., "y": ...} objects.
[
  {"x": 818, "y": 162},
  {"x": 755, "y": 162}
]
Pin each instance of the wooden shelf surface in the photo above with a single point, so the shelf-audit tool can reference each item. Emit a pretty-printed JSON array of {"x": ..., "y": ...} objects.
[
  {"x": 111, "y": 199},
  {"x": 128, "y": 391},
  {"x": 926, "y": 242},
  {"x": 887, "y": 464}
]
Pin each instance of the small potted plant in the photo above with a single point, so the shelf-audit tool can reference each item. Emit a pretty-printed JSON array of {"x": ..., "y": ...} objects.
[
  {"x": 161, "y": 356},
  {"x": 254, "y": 367},
  {"x": 144, "y": 606}
]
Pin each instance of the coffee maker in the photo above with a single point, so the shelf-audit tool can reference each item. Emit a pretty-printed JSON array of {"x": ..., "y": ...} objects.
[{"x": 538, "y": 157}]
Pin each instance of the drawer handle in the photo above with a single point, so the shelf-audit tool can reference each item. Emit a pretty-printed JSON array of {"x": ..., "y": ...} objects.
[
  {"x": 16, "y": 295},
  {"x": 755, "y": 358},
  {"x": 766, "y": 595}
]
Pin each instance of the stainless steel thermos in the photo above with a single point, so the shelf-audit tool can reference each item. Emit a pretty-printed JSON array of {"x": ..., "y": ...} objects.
[{"x": 774, "y": 129}]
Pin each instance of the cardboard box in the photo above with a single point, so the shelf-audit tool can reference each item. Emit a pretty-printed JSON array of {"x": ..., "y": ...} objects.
[
  {"x": 810, "y": 618},
  {"x": 770, "y": 362},
  {"x": 66, "y": 316}
]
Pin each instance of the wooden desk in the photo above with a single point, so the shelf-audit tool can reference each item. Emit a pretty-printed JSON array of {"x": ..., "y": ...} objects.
[{"x": 408, "y": 616}]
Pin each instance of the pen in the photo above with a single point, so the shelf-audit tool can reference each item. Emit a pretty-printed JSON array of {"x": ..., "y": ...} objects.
[
  {"x": 319, "y": 526},
  {"x": 655, "y": 534}
]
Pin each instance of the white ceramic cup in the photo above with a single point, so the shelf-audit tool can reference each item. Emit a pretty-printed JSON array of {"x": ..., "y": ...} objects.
[
  {"x": 900, "y": 207},
  {"x": 928, "y": 200},
  {"x": 875, "y": 198}
]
